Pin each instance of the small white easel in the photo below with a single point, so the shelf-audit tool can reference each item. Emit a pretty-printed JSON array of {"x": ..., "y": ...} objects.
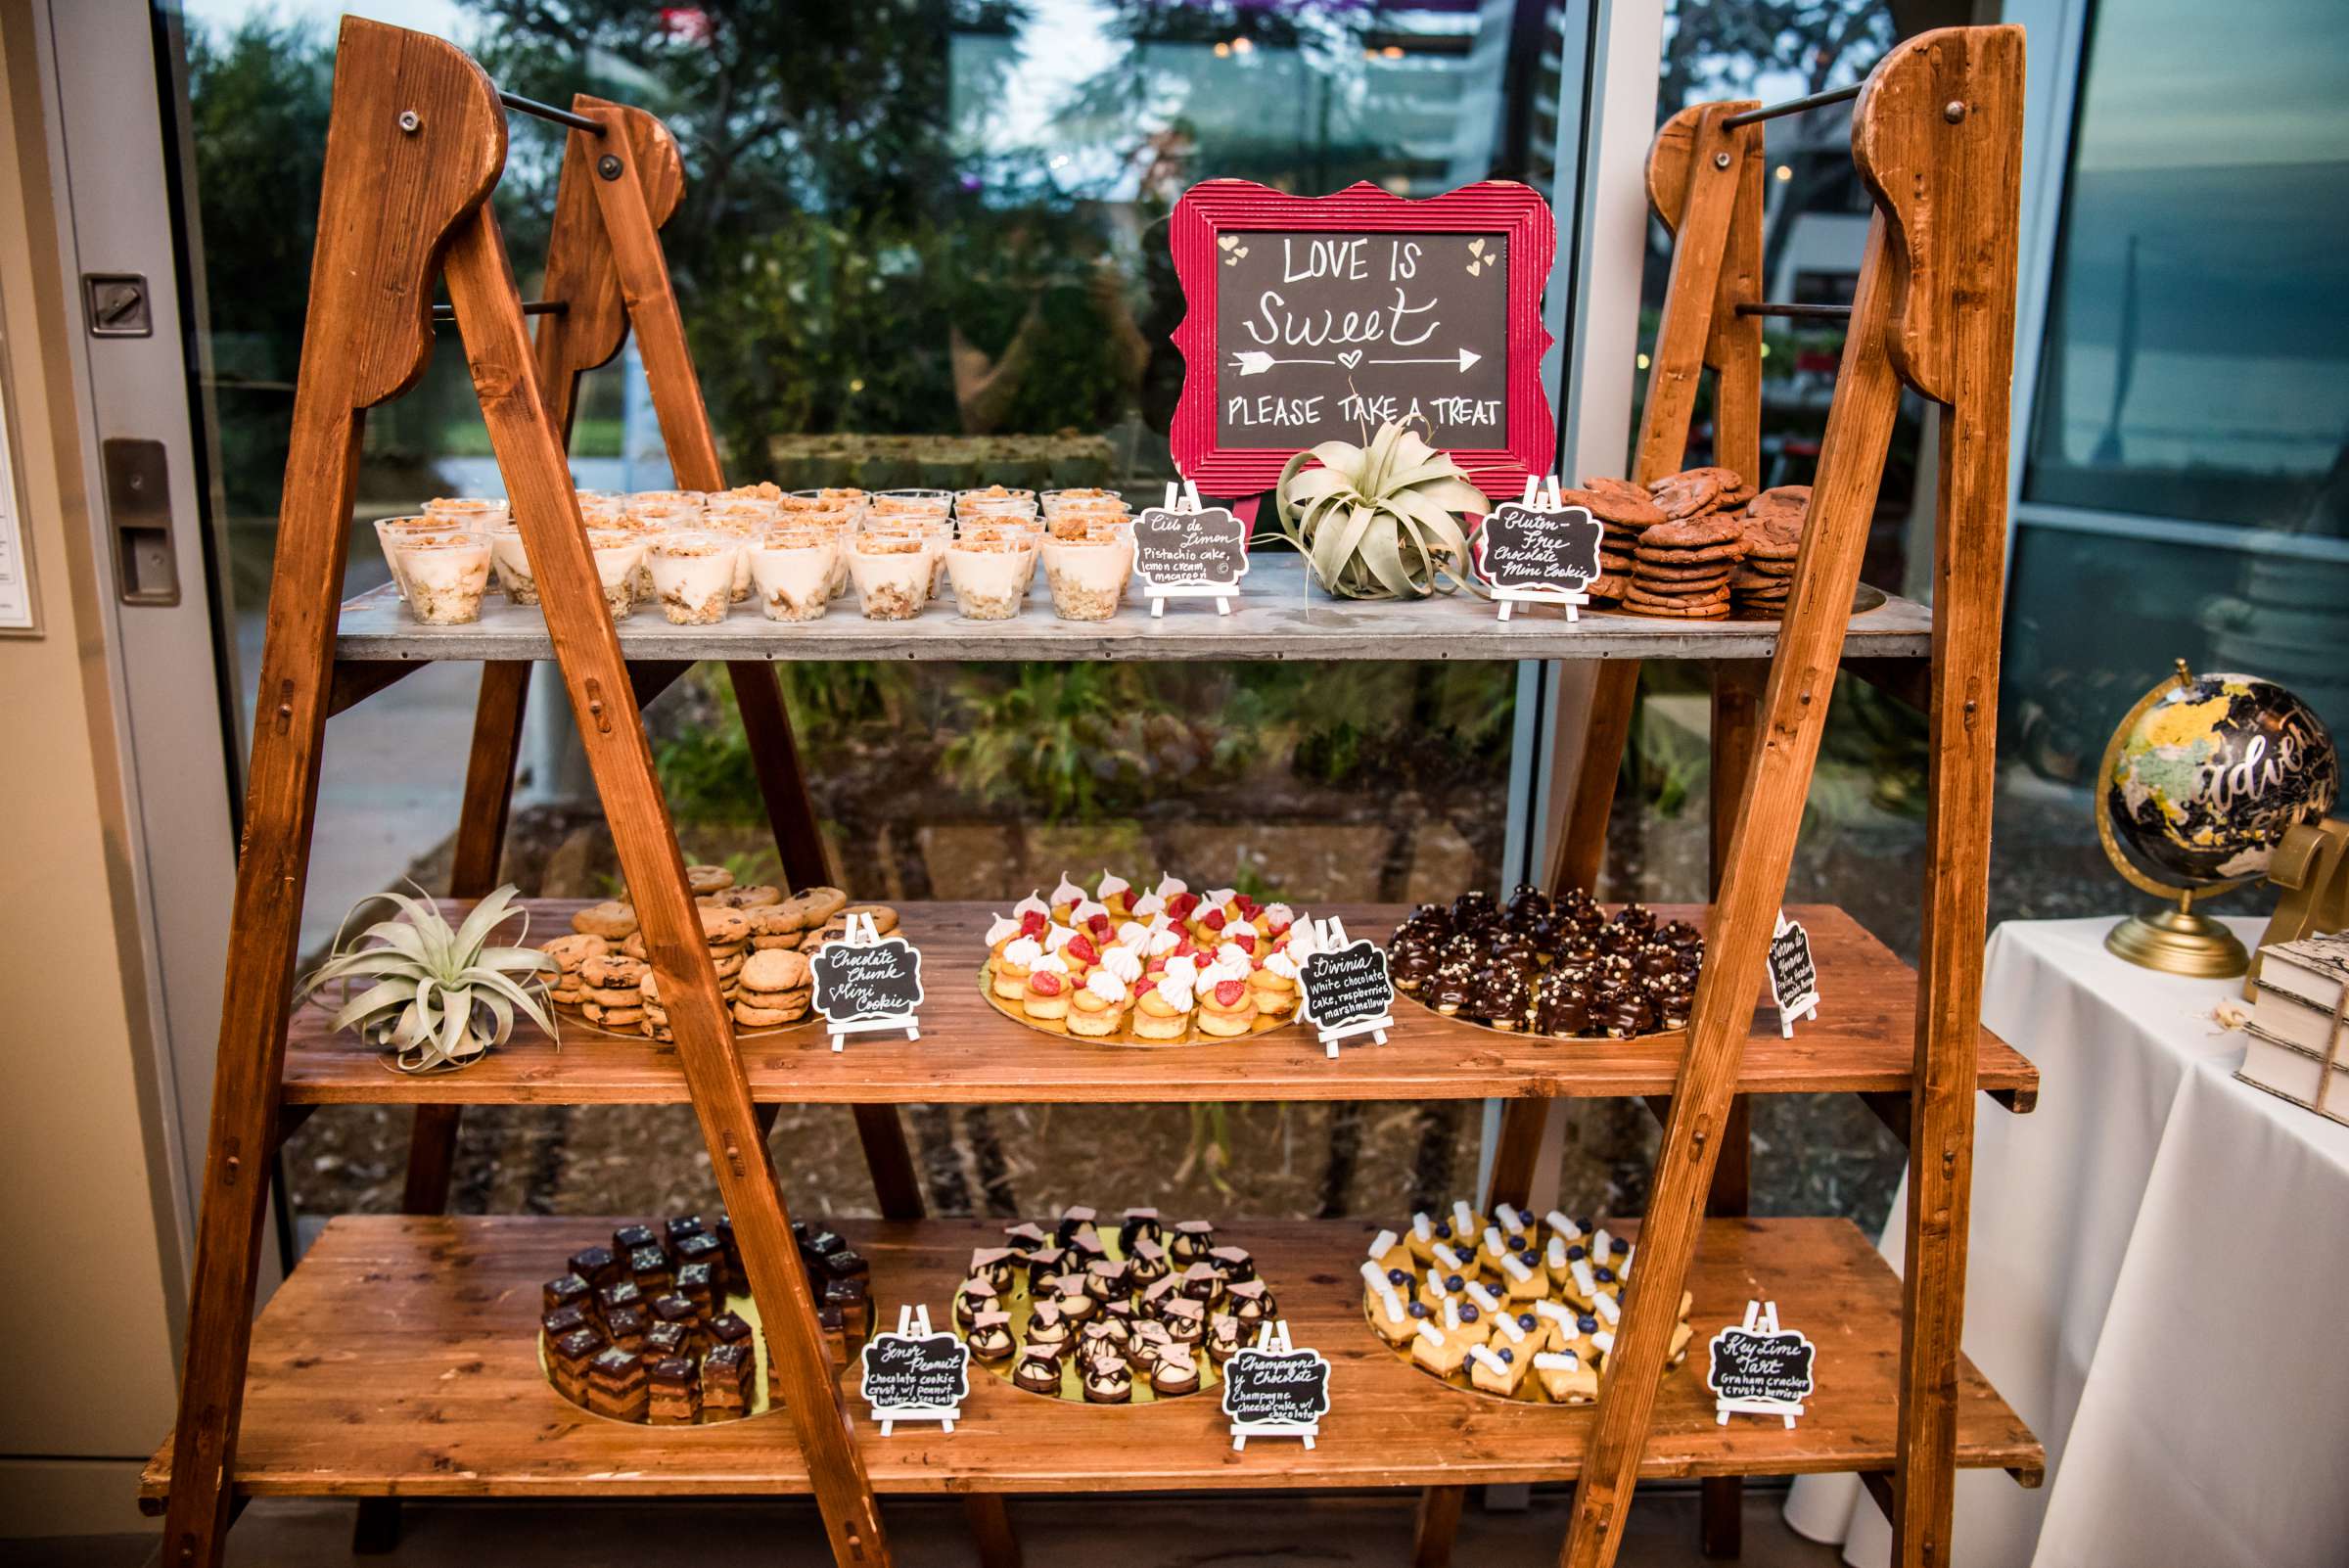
[
  {"x": 1273, "y": 1340},
  {"x": 913, "y": 1323},
  {"x": 1760, "y": 1317},
  {"x": 1791, "y": 1008},
  {"x": 859, "y": 932},
  {"x": 1330, "y": 937},
  {"x": 1508, "y": 599},
  {"x": 1181, "y": 499}
]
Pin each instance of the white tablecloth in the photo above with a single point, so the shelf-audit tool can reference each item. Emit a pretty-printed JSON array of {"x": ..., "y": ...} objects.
[{"x": 2157, "y": 1271}]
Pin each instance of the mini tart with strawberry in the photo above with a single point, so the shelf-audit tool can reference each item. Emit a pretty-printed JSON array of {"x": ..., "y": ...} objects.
[
  {"x": 1045, "y": 1001},
  {"x": 1097, "y": 1008},
  {"x": 1065, "y": 896},
  {"x": 1215, "y": 913},
  {"x": 1226, "y": 1003},
  {"x": 1079, "y": 952},
  {"x": 1026, "y": 922},
  {"x": 1162, "y": 1009},
  {"x": 1011, "y": 966},
  {"x": 1274, "y": 982}
]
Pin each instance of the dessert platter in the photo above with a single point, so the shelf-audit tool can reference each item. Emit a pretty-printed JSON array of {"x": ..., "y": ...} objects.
[
  {"x": 1506, "y": 1304},
  {"x": 1559, "y": 968},
  {"x": 660, "y": 1328},
  {"x": 760, "y": 937},
  {"x": 1098, "y": 1314},
  {"x": 1166, "y": 967}
]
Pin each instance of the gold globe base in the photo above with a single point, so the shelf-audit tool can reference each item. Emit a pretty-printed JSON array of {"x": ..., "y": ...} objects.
[{"x": 2180, "y": 941}]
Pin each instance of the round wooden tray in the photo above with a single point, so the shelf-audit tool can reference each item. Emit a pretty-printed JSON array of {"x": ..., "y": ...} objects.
[
  {"x": 762, "y": 1402},
  {"x": 1403, "y": 996},
  {"x": 1192, "y": 1036},
  {"x": 1021, "y": 1305},
  {"x": 573, "y": 1018}
]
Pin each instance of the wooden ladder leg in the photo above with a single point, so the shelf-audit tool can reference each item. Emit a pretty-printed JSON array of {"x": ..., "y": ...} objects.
[
  {"x": 1762, "y": 849},
  {"x": 1738, "y": 690},
  {"x": 365, "y": 336},
  {"x": 1938, "y": 139},
  {"x": 587, "y": 645},
  {"x": 1436, "y": 1526},
  {"x": 991, "y": 1527}
]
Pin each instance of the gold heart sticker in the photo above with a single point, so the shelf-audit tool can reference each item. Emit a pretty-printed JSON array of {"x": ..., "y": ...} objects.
[
  {"x": 1474, "y": 270},
  {"x": 1227, "y": 241},
  {"x": 1476, "y": 247}
]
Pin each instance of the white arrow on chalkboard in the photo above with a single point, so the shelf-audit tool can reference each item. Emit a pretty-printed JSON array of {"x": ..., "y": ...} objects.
[
  {"x": 1254, "y": 362},
  {"x": 1467, "y": 358}
]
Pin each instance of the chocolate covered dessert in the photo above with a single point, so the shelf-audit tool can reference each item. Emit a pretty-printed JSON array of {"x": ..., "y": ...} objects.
[{"x": 1557, "y": 967}]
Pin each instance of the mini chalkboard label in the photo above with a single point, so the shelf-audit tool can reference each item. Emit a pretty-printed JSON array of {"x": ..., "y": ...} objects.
[
  {"x": 1271, "y": 1388},
  {"x": 916, "y": 1375},
  {"x": 1793, "y": 974},
  {"x": 1343, "y": 987},
  {"x": 1202, "y": 549},
  {"x": 864, "y": 981},
  {"x": 1525, "y": 547},
  {"x": 1758, "y": 1368}
]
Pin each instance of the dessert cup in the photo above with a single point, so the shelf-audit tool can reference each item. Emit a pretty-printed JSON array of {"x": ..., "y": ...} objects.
[
  {"x": 693, "y": 576},
  {"x": 793, "y": 573},
  {"x": 390, "y": 531},
  {"x": 513, "y": 563},
  {"x": 601, "y": 508},
  {"x": 619, "y": 558},
  {"x": 467, "y": 512},
  {"x": 447, "y": 573},
  {"x": 1087, "y": 577},
  {"x": 990, "y": 577},
  {"x": 746, "y": 527},
  {"x": 892, "y": 573}
]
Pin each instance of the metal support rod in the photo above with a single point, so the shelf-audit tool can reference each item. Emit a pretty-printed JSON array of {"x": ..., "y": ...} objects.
[
  {"x": 1792, "y": 106},
  {"x": 1799, "y": 313},
  {"x": 560, "y": 117},
  {"x": 529, "y": 307}
]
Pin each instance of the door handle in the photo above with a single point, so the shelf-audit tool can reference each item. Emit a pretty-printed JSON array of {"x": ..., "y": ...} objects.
[{"x": 138, "y": 507}]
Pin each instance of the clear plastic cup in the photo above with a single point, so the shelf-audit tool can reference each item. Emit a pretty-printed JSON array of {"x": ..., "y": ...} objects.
[
  {"x": 657, "y": 499},
  {"x": 513, "y": 563},
  {"x": 1024, "y": 533},
  {"x": 619, "y": 558},
  {"x": 829, "y": 499},
  {"x": 792, "y": 569},
  {"x": 993, "y": 498},
  {"x": 388, "y": 530},
  {"x": 693, "y": 575},
  {"x": 990, "y": 575},
  {"x": 467, "y": 512},
  {"x": 1053, "y": 501},
  {"x": 447, "y": 573},
  {"x": 1086, "y": 575},
  {"x": 765, "y": 491},
  {"x": 892, "y": 574},
  {"x": 913, "y": 503},
  {"x": 601, "y": 508}
]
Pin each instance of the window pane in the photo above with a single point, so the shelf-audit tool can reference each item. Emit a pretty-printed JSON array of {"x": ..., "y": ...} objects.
[{"x": 2197, "y": 359}]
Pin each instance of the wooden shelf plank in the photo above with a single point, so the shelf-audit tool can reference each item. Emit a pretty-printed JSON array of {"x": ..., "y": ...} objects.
[
  {"x": 1275, "y": 617},
  {"x": 400, "y": 1359},
  {"x": 970, "y": 1054}
]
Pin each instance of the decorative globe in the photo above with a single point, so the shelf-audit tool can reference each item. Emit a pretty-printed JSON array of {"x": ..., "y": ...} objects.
[{"x": 2204, "y": 784}]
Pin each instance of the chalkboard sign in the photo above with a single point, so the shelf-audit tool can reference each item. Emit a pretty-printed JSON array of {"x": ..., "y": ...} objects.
[
  {"x": 1315, "y": 319},
  {"x": 1759, "y": 1368},
  {"x": 1525, "y": 548},
  {"x": 1275, "y": 1392},
  {"x": 1207, "y": 548},
  {"x": 916, "y": 1375},
  {"x": 863, "y": 982},
  {"x": 1348, "y": 985},
  {"x": 1793, "y": 974}
]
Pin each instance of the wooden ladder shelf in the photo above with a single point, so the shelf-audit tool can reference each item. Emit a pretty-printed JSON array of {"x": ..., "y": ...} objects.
[{"x": 415, "y": 147}]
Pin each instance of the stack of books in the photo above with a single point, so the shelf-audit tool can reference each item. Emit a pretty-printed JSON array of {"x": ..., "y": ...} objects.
[{"x": 2299, "y": 1041}]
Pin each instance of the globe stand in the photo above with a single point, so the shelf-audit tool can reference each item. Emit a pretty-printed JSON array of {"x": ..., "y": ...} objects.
[
  {"x": 2180, "y": 941},
  {"x": 2176, "y": 941}
]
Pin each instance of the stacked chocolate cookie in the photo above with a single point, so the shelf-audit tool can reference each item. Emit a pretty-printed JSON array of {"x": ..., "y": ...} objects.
[
  {"x": 1774, "y": 524},
  {"x": 1682, "y": 565},
  {"x": 611, "y": 993},
  {"x": 1624, "y": 511},
  {"x": 569, "y": 952},
  {"x": 775, "y": 989}
]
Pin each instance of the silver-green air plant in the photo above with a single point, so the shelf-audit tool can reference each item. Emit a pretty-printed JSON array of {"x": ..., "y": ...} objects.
[
  {"x": 1382, "y": 521},
  {"x": 437, "y": 997}
]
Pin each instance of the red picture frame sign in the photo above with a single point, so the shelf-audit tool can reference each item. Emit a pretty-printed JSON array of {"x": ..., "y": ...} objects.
[{"x": 1219, "y": 222}]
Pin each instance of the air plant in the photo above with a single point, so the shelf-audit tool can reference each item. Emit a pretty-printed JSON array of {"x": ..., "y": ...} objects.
[
  {"x": 437, "y": 999},
  {"x": 1380, "y": 522}
]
